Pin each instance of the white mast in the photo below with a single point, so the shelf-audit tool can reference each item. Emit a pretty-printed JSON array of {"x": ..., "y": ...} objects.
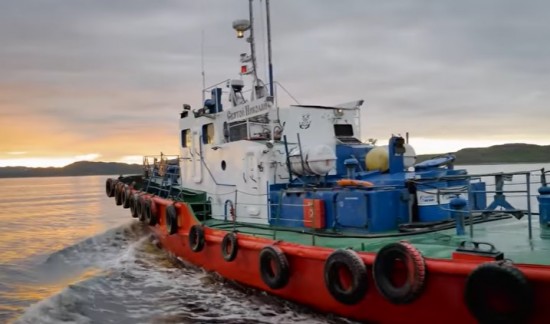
[{"x": 242, "y": 25}]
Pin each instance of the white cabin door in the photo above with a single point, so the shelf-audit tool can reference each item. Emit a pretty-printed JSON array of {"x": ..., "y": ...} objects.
[
  {"x": 250, "y": 172},
  {"x": 196, "y": 149}
]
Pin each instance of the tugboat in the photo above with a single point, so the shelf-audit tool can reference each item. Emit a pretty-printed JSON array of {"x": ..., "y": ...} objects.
[{"x": 290, "y": 201}]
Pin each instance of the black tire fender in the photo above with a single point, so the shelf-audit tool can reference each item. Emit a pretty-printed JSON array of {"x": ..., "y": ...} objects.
[
  {"x": 126, "y": 192},
  {"x": 140, "y": 208},
  {"x": 110, "y": 187},
  {"x": 133, "y": 204},
  {"x": 196, "y": 238},
  {"x": 274, "y": 267},
  {"x": 230, "y": 247},
  {"x": 171, "y": 217},
  {"x": 149, "y": 212},
  {"x": 346, "y": 262},
  {"x": 384, "y": 268},
  {"x": 118, "y": 193},
  {"x": 507, "y": 282}
]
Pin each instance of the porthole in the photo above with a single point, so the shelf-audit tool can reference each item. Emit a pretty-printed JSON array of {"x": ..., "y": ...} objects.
[{"x": 223, "y": 165}]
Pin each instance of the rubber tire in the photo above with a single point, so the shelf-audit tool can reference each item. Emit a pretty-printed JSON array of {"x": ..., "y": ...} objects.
[
  {"x": 133, "y": 208},
  {"x": 230, "y": 241},
  {"x": 149, "y": 212},
  {"x": 355, "y": 265},
  {"x": 196, "y": 238},
  {"x": 171, "y": 217},
  {"x": 274, "y": 279},
  {"x": 416, "y": 272},
  {"x": 110, "y": 187},
  {"x": 140, "y": 208},
  {"x": 118, "y": 196},
  {"x": 507, "y": 278},
  {"x": 127, "y": 194}
]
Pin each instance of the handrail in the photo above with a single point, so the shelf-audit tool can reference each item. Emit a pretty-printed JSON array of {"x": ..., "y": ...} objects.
[{"x": 499, "y": 199}]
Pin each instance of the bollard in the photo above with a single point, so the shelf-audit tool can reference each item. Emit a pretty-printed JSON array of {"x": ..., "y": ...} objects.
[
  {"x": 351, "y": 165},
  {"x": 458, "y": 212}
]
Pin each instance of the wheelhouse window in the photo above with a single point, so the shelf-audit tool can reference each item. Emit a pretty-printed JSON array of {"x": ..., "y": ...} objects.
[
  {"x": 343, "y": 130},
  {"x": 186, "y": 138},
  {"x": 253, "y": 128},
  {"x": 208, "y": 133},
  {"x": 238, "y": 131}
]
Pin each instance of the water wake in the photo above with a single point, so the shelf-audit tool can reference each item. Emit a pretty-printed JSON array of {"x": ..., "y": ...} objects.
[{"x": 122, "y": 277}]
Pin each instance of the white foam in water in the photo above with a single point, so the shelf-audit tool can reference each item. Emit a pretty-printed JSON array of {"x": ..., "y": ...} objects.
[{"x": 135, "y": 282}]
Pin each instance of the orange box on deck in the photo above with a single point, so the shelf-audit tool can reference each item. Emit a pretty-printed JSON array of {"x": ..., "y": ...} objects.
[{"x": 314, "y": 213}]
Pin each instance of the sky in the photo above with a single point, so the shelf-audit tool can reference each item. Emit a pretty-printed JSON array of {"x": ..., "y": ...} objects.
[{"x": 105, "y": 80}]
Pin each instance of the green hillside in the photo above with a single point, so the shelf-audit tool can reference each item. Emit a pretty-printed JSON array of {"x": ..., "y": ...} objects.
[
  {"x": 81, "y": 168},
  {"x": 500, "y": 154}
]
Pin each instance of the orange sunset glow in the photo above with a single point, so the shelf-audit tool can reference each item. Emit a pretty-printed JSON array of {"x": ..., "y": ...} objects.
[{"x": 106, "y": 83}]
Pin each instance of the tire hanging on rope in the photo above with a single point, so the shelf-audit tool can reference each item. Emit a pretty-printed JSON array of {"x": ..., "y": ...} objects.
[
  {"x": 110, "y": 187},
  {"x": 399, "y": 272},
  {"x": 140, "y": 208},
  {"x": 149, "y": 212},
  {"x": 171, "y": 217},
  {"x": 133, "y": 204},
  {"x": 118, "y": 196},
  {"x": 274, "y": 267},
  {"x": 346, "y": 276},
  {"x": 499, "y": 293},
  {"x": 196, "y": 238},
  {"x": 229, "y": 247},
  {"x": 126, "y": 192}
]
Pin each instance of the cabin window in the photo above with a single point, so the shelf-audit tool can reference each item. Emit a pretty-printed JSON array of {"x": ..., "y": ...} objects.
[
  {"x": 253, "y": 128},
  {"x": 238, "y": 131},
  {"x": 208, "y": 133},
  {"x": 186, "y": 138},
  {"x": 343, "y": 130}
]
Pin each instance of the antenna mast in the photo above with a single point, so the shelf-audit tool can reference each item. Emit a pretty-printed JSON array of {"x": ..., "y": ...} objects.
[
  {"x": 202, "y": 65},
  {"x": 252, "y": 46},
  {"x": 241, "y": 26},
  {"x": 270, "y": 67}
]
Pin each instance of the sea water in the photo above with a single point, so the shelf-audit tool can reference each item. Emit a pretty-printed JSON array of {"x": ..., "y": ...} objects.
[{"x": 68, "y": 254}]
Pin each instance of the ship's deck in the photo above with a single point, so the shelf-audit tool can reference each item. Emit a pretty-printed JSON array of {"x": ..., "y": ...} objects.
[{"x": 509, "y": 236}]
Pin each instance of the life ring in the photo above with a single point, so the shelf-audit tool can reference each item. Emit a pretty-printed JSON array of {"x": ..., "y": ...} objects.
[
  {"x": 132, "y": 202},
  {"x": 149, "y": 212},
  {"x": 230, "y": 247},
  {"x": 196, "y": 238},
  {"x": 126, "y": 193},
  {"x": 354, "y": 183},
  {"x": 171, "y": 217},
  {"x": 498, "y": 293},
  {"x": 274, "y": 267},
  {"x": 346, "y": 276},
  {"x": 393, "y": 260},
  {"x": 109, "y": 187}
]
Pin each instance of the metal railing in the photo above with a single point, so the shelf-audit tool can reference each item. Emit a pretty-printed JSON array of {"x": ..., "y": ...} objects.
[{"x": 500, "y": 202}]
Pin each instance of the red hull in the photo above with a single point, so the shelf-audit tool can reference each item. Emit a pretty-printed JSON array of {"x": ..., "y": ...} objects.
[{"x": 442, "y": 299}]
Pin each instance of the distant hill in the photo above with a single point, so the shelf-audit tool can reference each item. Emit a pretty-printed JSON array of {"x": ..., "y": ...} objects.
[
  {"x": 81, "y": 168},
  {"x": 500, "y": 154}
]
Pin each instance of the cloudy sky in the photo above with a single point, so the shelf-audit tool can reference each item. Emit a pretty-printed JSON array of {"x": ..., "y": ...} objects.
[{"x": 105, "y": 79}]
